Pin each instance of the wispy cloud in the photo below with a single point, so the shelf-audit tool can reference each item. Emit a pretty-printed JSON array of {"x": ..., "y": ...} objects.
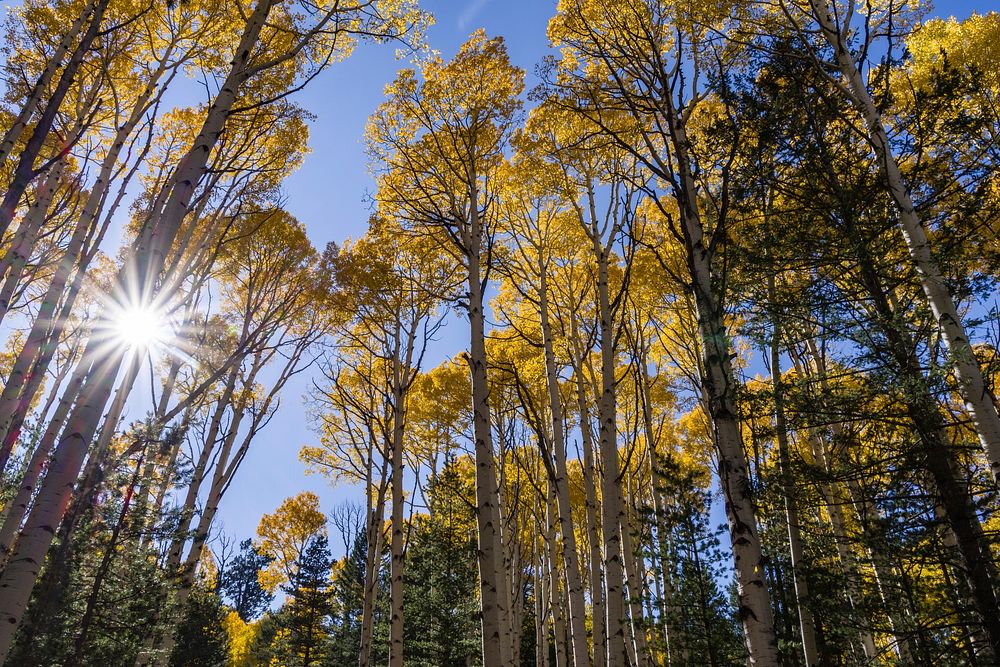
[{"x": 470, "y": 13}]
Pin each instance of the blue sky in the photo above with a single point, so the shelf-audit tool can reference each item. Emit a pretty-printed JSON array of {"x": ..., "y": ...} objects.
[{"x": 329, "y": 195}]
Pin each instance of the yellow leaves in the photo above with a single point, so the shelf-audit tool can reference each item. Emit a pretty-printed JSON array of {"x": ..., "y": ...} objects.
[
  {"x": 285, "y": 534},
  {"x": 389, "y": 272},
  {"x": 477, "y": 88},
  {"x": 973, "y": 43},
  {"x": 439, "y": 137},
  {"x": 269, "y": 272},
  {"x": 8, "y": 355},
  {"x": 439, "y": 410},
  {"x": 478, "y": 82},
  {"x": 207, "y": 572},
  {"x": 242, "y": 637},
  {"x": 695, "y": 437},
  {"x": 598, "y": 36}
]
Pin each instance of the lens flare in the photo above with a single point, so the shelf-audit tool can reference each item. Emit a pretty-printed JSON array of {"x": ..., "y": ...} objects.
[{"x": 140, "y": 327}]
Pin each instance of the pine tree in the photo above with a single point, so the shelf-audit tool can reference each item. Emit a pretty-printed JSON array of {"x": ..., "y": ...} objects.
[
  {"x": 201, "y": 640},
  {"x": 309, "y": 608},
  {"x": 441, "y": 577},
  {"x": 240, "y": 585}
]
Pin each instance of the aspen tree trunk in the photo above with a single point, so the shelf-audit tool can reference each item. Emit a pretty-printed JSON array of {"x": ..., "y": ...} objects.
[
  {"x": 24, "y": 171},
  {"x": 400, "y": 380},
  {"x": 511, "y": 572},
  {"x": 179, "y": 539},
  {"x": 833, "y": 501},
  {"x": 115, "y": 412},
  {"x": 165, "y": 649},
  {"x": 977, "y": 644},
  {"x": 30, "y": 227},
  {"x": 16, "y": 258},
  {"x": 807, "y": 627},
  {"x": 373, "y": 535},
  {"x": 590, "y": 492},
  {"x": 613, "y": 518},
  {"x": 650, "y": 613},
  {"x": 551, "y": 573},
  {"x": 154, "y": 449},
  {"x": 939, "y": 458},
  {"x": 496, "y": 647},
  {"x": 19, "y": 577},
  {"x": 835, "y": 495},
  {"x": 223, "y": 470},
  {"x": 638, "y": 646},
  {"x": 16, "y": 509},
  {"x": 82, "y": 502},
  {"x": 574, "y": 582},
  {"x": 52, "y": 65},
  {"x": 971, "y": 385},
  {"x": 703, "y": 600},
  {"x": 55, "y": 391},
  {"x": 142, "y": 519},
  {"x": 882, "y": 572},
  {"x": 225, "y": 466},
  {"x": 666, "y": 605},
  {"x": 29, "y": 368},
  {"x": 163, "y": 484},
  {"x": 220, "y": 478},
  {"x": 541, "y": 606},
  {"x": 719, "y": 389}
]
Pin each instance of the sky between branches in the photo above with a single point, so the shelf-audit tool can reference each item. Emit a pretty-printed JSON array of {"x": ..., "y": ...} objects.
[{"x": 330, "y": 195}]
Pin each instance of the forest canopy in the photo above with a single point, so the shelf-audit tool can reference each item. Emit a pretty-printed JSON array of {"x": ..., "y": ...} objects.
[{"x": 675, "y": 347}]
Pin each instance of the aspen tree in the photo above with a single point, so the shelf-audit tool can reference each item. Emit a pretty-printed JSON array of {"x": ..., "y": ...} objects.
[
  {"x": 145, "y": 264},
  {"x": 835, "y": 24},
  {"x": 622, "y": 74},
  {"x": 440, "y": 138},
  {"x": 533, "y": 219},
  {"x": 50, "y": 68}
]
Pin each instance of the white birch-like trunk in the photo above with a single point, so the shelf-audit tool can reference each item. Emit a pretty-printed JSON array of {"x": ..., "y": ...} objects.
[
  {"x": 16, "y": 258},
  {"x": 25, "y": 171},
  {"x": 807, "y": 625},
  {"x": 571, "y": 560},
  {"x": 590, "y": 494},
  {"x": 52, "y": 65},
  {"x": 46, "y": 330},
  {"x": 496, "y": 646},
  {"x": 612, "y": 507},
  {"x": 971, "y": 386},
  {"x": 19, "y": 577},
  {"x": 719, "y": 389}
]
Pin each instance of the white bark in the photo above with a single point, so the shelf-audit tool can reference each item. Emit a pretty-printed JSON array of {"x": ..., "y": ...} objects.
[
  {"x": 496, "y": 648},
  {"x": 19, "y": 577},
  {"x": 719, "y": 389},
  {"x": 971, "y": 386},
  {"x": 807, "y": 625},
  {"x": 52, "y": 65},
  {"x": 590, "y": 491},
  {"x": 574, "y": 582}
]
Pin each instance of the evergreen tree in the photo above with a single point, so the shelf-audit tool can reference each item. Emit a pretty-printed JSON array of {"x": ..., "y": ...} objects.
[
  {"x": 347, "y": 591},
  {"x": 441, "y": 578},
  {"x": 240, "y": 585},
  {"x": 309, "y": 608},
  {"x": 201, "y": 640}
]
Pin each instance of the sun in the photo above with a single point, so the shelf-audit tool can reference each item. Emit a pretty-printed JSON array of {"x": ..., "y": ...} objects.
[{"x": 140, "y": 327}]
